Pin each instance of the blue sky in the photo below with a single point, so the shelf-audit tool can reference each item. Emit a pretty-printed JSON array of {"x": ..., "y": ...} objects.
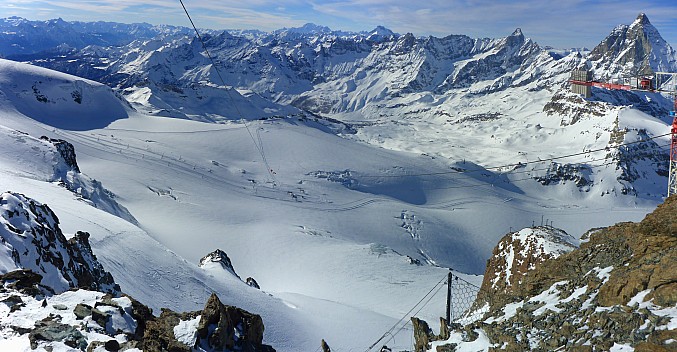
[{"x": 563, "y": 23}]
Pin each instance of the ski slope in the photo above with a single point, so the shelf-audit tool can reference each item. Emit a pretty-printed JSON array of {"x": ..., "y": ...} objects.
[{"x": 324, "y": 224}]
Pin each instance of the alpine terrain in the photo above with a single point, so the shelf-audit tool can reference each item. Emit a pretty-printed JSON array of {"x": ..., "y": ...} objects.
[{"x": 308, "y": 189}]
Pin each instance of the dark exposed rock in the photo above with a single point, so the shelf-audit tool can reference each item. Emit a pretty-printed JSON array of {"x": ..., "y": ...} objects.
[
  {"x": 142, "y": 314},
  {"x": 159, "y": 333},
  {"x": 633, "y": 49},
  {"x": 225, "y": 321},
  {"x": 23, "y": 280},
  {"x": 50, "y": 329},
  {"x": 220, "y": 257},
  {"x": 325, "y": 347},
  {"x": 40, "y": 237},
  {"x": 423, "y": 335},
  {"x": 112, "y": 345},
  {"x": 82, "y": 310},
  {"x": 221, "y": 328},
  {"x": 515, "y": 256},
  {"x": 66, "y": 150},
  {"x": 251, "y": 282},
  {"x": 100, "y": 317}
]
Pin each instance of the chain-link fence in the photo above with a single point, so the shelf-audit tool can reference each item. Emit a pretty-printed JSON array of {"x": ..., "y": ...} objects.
[{"x": 465, "y": 305}]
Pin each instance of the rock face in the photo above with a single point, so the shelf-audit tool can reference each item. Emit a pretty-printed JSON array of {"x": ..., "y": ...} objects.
[
  {"x": 225, "y": 327},
  {"x": 619, "y": 287},
  {"x": 30, "y": 238},
  {"x": 55, "y": 295},
  {"x": 519, "y": 253},
  {"x": 66, "y": 150},
  {"x": 637, "y": 49}
]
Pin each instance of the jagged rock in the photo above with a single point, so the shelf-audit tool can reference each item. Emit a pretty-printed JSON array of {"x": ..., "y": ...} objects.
[
  {"x": 580, "y": 300},
  {"x": 325, "y": 346},
  {"x": 159, "y": 333},
  {"x": 451, "y": 347},
  {"x": 112, "y": 345},
  {"x": 251, "y": 282},
  {"x": 23, "y": 280},
  {"x": 220, "y": 328},
  {"x": 224, "y": 321},
  {"x": 12, "y": 300},
  {"x": 30, "y": 231},
  {"x": 219, "y": 257},
  {"x": 66, "y": 150},
  {"x": 142, "y": 314},
  {"x": 636, "y": 49},
  {"x": 423, "y": 335},
  {"x": 516, "y": 255},
  {"x": 50, "y": 329},
  {"x": 100, "y": 317},
  {"x": 82, "y": 310}
]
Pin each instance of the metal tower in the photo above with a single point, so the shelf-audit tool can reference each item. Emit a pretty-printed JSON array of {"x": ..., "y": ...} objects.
[
  {"x": 672, "y": 175},
  {"x": 667, "y": 82}
]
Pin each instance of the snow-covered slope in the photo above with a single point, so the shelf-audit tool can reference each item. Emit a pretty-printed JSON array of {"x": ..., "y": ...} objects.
[
  {"x": 57, "y": 99},
  {"x": 325, "y": 223},
  {"x": 492, "y": 102},
  {"x": 286, "y": 245}
]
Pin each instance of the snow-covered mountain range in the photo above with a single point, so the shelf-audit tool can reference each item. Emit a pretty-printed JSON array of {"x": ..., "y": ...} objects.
[{"x": 342, "y": 172}]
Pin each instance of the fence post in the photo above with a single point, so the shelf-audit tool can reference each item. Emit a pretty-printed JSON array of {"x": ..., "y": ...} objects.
[{"x": 449, "y": 298}]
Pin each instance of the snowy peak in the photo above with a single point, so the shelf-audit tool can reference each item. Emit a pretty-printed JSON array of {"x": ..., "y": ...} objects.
[
  {"x": 641, "y": 20},
  {"x": 308, "y": 28},
  {"x": 217, "y": 259},
  {"x": 637, "y": 49},
  {"x": 31, "y": 239},
  {"x": 380, "y": 34}
]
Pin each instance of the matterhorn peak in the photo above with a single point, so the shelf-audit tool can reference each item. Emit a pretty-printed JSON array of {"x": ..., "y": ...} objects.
[
  {"x": 517, "y": 32},
  {"x": 642, "y": 19},
  {"x": 638, "y": 49}
]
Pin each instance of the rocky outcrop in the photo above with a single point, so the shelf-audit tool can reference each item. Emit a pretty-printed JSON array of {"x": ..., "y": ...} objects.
[
  {"x": 251, "y": 282},
  {"x": 66, "y": 151},
  {"x": 30, "y": 234},
  {"x": 217, "y": 327},
  {"x": 519, "y": 253},
  {"x": 121, "y": 323},
  {"x": 618, "y": 288},
  {"x": 219, "y": 259},
  {"x": 60, "y": 295}
]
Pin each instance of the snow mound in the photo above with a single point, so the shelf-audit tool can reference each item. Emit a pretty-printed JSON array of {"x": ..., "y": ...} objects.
[{"x": 57, "y": 99}]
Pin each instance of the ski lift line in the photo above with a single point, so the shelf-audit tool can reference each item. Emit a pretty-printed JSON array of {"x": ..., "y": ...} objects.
[
  {"x": 223, "y": 82},
  {"x": 512, "y": 172},
  {"x": 525, "y": 179},
  {"x": 518, "y": 164},
  {"x": 389, "y": 331}
]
